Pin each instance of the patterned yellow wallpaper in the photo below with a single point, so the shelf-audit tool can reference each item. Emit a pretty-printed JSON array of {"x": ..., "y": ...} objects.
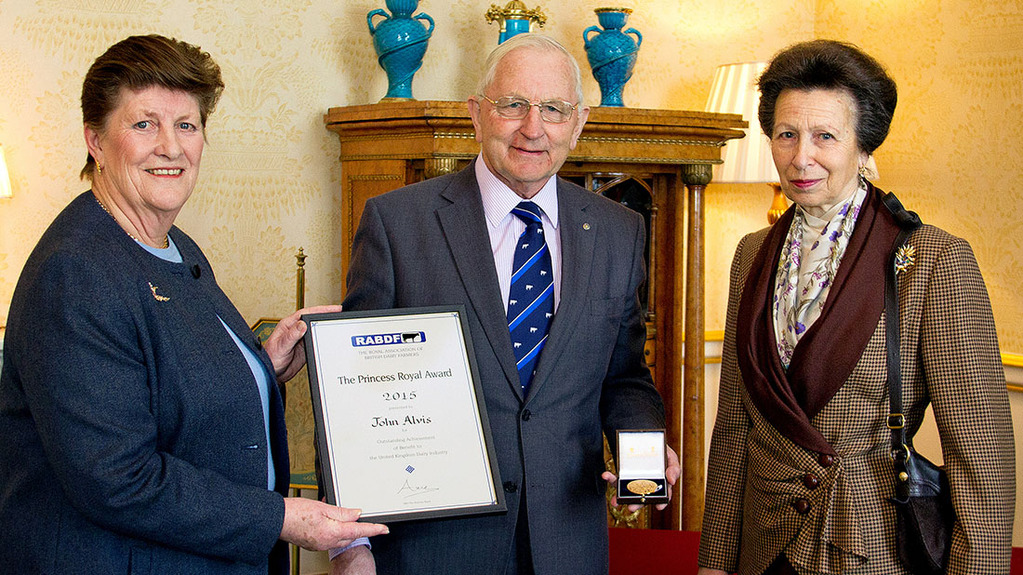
[
  {"x": 270, "y": 179},
  {"x": 955, "y": 145},
  {"x": 953, "y": 154}
]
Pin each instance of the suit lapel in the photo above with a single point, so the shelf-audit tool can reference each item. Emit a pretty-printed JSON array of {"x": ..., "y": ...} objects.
[
  {"x": 465, "y": 230},
  {"x": 577, "y": 240}
]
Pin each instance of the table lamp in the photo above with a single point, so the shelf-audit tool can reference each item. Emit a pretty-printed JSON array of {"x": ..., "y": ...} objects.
[{"x": 747, "y": 160}]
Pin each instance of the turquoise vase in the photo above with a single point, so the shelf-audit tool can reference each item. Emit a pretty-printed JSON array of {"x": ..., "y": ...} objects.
[
  {"x": 612, "y": 53},
  {"x": 400, "y": 41},
  {"x": 513, "y": 27}
]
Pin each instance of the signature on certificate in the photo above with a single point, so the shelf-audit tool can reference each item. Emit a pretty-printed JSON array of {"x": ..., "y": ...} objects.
[{"x": 408, "y": 489}]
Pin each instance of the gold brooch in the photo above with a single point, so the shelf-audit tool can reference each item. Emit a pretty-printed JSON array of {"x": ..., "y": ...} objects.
[
  {"x": 157, "y": 296},
  {"x": 904, "y": 258}
]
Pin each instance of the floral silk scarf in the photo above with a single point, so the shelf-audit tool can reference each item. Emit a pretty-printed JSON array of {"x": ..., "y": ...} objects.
[
  {"x": 805, "y": 273},
  {"x": 831, "y": 347}
]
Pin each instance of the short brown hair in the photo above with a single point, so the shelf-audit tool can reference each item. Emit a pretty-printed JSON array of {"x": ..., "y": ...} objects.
[
  {"x": 833, "y": 65},
  {"x": 140, "y": 62}
]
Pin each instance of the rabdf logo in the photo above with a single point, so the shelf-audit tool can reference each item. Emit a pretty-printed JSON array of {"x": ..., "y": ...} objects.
[{"x": 389, "y": 338}]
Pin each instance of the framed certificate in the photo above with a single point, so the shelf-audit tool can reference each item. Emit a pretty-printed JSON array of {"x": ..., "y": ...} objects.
[{"x": 401, "y": 423}]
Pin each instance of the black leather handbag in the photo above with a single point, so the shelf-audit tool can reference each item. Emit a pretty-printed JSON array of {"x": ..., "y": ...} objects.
[
  {"x": 923, "y": 500},
  {"x": 923, "y": 515}
]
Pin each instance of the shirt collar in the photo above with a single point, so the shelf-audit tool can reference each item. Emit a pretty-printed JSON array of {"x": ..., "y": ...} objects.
[{"x": 499, "y": 199}]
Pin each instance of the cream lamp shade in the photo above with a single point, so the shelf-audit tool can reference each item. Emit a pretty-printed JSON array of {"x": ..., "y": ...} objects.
[
  {"x": 5, "y": 179},
  {"x": 747, "y": 160}
]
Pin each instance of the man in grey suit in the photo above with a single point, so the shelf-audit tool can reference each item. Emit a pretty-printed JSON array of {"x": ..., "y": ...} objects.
[{"x": 577, "y": 367}]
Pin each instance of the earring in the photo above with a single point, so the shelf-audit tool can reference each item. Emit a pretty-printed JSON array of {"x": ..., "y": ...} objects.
[{"x": 99, "y": 169}]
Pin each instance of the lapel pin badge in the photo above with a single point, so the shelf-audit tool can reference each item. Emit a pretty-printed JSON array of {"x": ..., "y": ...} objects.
[
  {"x": 157, "y": 296},
  {"x": 904, "y": 258},
  {"x": 586, "y": 226}
]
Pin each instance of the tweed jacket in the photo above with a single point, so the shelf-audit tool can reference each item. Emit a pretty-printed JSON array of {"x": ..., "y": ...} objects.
[
  {"x": 427, "y": 244},
  {"x": 766, "y": 495},
  {"x": 133, "y": 436}
]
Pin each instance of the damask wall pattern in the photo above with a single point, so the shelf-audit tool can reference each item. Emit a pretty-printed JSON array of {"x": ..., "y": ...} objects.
[
  {"x": 270, "y": 180},
  {"x": 269, "y": 183},
  {"x": 954, "y": 151}
]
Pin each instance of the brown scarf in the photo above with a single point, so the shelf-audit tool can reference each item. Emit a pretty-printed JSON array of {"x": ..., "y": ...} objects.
[{"x": 832, "y": 346}]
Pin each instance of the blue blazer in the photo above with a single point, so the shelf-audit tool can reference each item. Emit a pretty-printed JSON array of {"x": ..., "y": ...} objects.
[
  {"x": 427, "y": 244},
  {"x": 133, "y": 437}
]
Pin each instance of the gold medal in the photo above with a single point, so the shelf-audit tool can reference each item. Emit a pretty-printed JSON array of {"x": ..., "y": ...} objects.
[{"x": 641, "y": 486}]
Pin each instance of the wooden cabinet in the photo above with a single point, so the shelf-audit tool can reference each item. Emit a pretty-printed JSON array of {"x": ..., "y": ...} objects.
[{"x": 657, "y": 162}]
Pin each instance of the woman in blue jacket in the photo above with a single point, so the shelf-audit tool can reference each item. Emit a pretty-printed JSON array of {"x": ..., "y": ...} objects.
[{"x": 143, "y": 429}]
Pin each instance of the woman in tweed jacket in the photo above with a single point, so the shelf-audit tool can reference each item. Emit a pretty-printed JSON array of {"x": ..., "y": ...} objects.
[{"x": 800, "y": 464}]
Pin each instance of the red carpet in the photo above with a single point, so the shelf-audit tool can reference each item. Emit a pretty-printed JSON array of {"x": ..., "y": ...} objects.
[
  {"x": 653, "y": 552},
  {"x": 659, "y": 552}
]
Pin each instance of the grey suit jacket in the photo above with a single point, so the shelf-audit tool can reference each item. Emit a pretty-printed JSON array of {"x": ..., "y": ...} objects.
[{"x": 427, "y": 244}]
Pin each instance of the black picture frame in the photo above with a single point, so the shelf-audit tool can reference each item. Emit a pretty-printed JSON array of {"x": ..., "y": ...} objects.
[{"x": 319, "y": 390}]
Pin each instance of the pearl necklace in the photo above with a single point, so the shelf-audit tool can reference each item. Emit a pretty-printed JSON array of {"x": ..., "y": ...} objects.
[{"x": 166, "y": 239}]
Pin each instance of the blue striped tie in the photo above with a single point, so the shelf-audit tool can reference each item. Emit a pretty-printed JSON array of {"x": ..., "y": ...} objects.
[{"x": 531, "y": 297}]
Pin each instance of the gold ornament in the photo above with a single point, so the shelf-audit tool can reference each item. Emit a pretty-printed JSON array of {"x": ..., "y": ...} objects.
[
  {"x": 157, "y": 296},
  {"x": 904, "y": 258},
  {"x": 641, "y": 486}
]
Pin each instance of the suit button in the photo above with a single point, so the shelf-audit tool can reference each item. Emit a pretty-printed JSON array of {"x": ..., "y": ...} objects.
[
  {"x": 810, "y": 481},
  {"x": 526, "y": 415},
  {"x": 802, "y": 506},
  {"x": 511, "y": 486},
  {"x": 826, "y": 460}
]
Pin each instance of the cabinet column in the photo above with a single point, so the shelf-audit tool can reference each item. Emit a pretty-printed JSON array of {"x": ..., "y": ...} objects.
[{"x": 696, "y": 177}]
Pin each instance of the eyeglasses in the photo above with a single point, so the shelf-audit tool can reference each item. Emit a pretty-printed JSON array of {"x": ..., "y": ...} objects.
[{"x": 551, "y": 111}]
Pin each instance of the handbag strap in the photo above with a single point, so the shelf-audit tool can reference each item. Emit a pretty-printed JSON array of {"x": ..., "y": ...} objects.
[{"x": 908, "y": 222}]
